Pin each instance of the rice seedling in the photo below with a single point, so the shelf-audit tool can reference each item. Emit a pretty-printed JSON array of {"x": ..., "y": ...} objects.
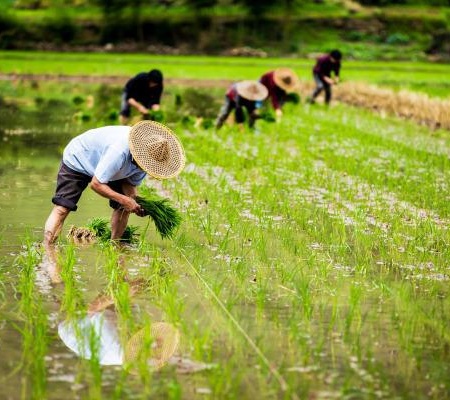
[
  {"x": 35, "y": 325},
  {"x": 164, "y": 215}
]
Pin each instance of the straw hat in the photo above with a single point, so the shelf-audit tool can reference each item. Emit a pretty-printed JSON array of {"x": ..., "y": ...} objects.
[
  {"x": 156, "y": 149},
  {"x": 164, "y": 339},
  {"x": 286, "y": 79},
  {"x": 252, "y": 90}
]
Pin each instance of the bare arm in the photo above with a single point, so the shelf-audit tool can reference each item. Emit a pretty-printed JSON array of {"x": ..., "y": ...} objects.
[
  {"x": 125, "y": 201},
  {"x": 132, "y": 102}
]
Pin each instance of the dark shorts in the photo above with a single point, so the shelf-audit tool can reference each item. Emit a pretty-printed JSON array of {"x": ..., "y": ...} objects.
[{"x": 70, "y": 185}]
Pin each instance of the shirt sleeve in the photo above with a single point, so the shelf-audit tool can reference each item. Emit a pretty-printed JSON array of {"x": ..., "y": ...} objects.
[
  {"x": 137, "y": 178},
  {"x": 110, "y": 163}
]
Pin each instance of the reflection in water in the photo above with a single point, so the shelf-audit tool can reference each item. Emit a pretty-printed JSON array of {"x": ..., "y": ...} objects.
[
  {"x": 99, "y": 332},
  {"x": 102, "y": 336}
]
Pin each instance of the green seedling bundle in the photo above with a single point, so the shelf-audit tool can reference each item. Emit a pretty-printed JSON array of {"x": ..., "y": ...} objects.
[{"x": 164, "y": 215}]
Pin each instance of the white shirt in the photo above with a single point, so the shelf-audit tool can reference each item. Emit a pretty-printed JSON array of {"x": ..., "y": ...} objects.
[{"x": 103, "y": 153}]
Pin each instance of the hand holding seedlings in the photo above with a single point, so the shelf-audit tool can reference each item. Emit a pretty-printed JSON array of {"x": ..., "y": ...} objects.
[{"x": 131, "y": 205}]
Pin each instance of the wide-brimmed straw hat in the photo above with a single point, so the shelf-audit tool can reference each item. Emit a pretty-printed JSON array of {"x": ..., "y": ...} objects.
[
  {"x": 252, "y": 90},
  {"x": 286, "y": 79},
  {"x": 153, "y": 347},
  {"x": 156, "y": 149}
]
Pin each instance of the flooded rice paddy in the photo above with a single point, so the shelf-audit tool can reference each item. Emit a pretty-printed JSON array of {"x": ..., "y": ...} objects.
[{"x": 312, "y": 262}]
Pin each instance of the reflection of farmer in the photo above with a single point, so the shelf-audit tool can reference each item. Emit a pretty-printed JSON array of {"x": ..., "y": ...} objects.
[
  {"x": 143, "y": 92},
  {"x": 322, "y": 74},
  {"x": 101, "y": 323},
  {"x": 114, "y": 161},
  {"x": 279, "y": 83},
  {"x": 242, "y": 95}
]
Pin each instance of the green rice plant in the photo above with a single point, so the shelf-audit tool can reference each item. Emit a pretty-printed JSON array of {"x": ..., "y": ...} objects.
[
  {"x": 164, "y": 215},
  {"x": 72, "y": 301},
  {"x": 35, "y": 325},
  {"x": 100, "y": 227}
]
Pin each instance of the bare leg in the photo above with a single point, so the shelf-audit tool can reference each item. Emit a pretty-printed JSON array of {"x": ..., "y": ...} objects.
[
  {"x": 54, "y": 223},
  {"x": 50, "y": 263},
  {"x": 119, "y": 221}
]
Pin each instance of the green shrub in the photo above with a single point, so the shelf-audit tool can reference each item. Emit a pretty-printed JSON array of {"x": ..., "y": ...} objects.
[
  {"x": 78, "y": 100},
  {"x": 398, "y": 38}
]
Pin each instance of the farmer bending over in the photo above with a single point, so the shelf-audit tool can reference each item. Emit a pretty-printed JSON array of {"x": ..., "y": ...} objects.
[
  {"x": 242, "y": 95},
  {"x": 114, "y": 160},
  {"x": 143, "y": 92},
  {"x": 322, "y": 74},
  {"x": 279, "y": 83}
]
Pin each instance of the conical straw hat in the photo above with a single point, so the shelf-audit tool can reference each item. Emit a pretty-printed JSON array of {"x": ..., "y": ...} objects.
[
  {"x": 286, "y": 79},
  {"x": 165, "y": 338},
  {"x": 252, "y": 90},
  {"x": 156, "y": 149}
]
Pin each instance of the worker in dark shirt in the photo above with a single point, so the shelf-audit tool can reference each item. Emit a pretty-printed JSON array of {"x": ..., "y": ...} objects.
[
  {"x": 242, "y": 95},
  {"x": 143, "y": 92},
  {"x": 325, "y": 65},
  {"x": 279, "y": 83}
]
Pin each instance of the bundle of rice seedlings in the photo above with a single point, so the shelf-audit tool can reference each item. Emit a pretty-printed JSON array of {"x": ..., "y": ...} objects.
[
  {"x": 100, "y": 227},
  {"x": 81, "y": 235},
  {"x": 154, "y": 115},
  {"x": 165, "y": 217},
  {"x": 267, "y": 116},
  {"x": 293, "y": 98}
]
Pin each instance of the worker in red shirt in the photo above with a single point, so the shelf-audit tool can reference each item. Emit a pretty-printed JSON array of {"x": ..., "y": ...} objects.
[
  {"x": 325, "y": 65},
  {"x": 279, "y": 83}
]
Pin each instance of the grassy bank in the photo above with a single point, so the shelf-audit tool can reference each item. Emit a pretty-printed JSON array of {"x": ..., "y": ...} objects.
[{"x": 425, "y": 77}]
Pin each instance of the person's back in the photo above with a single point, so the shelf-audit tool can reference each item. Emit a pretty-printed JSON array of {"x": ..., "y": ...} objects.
[
  {"x": 103, "y": 152},
  {"x": 142, "y": 92}
]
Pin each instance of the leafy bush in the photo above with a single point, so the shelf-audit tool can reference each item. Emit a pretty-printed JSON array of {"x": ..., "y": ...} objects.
[
  {"x": 398, "y": 38},
  {"x": 60, "y": 28}
]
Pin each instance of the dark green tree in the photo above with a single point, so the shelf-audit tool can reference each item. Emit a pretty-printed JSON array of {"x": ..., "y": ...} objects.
[
  {"x": 200, "y": 5},
  {"x": 258, "y": 8}
]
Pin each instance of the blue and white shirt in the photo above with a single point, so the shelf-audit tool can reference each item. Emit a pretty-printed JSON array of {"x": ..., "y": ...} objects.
[{"x": 103, "y": 153}]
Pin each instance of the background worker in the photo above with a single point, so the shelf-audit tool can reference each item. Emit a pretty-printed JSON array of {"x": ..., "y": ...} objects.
[
  {"x": 279, "y": 84},
  {"x": 242, "y": 95},
  {"x": 143, "y": 92},
  {"x": 325, "y": 65},
  {"x": 113, "y": 160}
]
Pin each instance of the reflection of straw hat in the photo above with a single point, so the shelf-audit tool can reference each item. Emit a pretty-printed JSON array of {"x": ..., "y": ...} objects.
[
  {"x": 156, "y": 149},
  {"x": 252, "y": 90},
  {"x": 154, "y": 347},
  {"x": 286, "y": 79}
]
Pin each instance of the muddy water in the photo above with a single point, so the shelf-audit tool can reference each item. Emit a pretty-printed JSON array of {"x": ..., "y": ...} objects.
[{"x": 29, "y": 161}]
